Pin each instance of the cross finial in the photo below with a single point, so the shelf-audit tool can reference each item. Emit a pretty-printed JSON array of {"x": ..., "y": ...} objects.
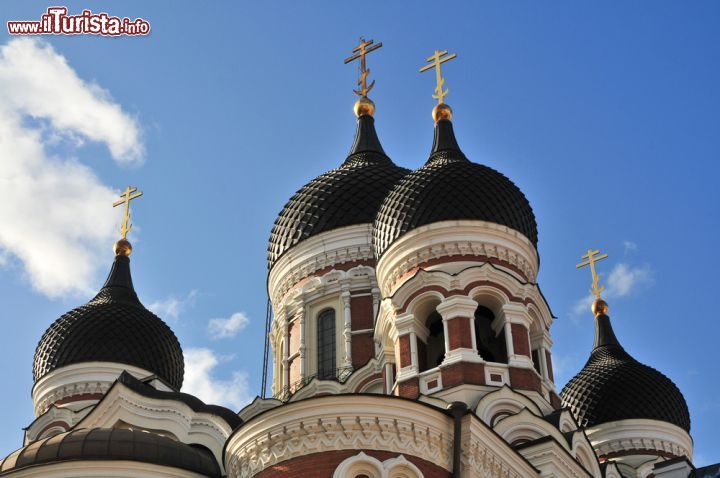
[
  {"x": 360, "y": 51},
  {"x": 126, "y": 196},
  {"x": 435, "y": 61},
  {"x": 592, "y": 257}
]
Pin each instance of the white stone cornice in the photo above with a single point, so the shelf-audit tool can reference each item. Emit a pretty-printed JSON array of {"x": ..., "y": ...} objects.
[
  {"x": 342, "y": 245},
  {"x": 456, "y": 238},
  {"x": 332, "y": 423},
  {"x": 86, "y": 378},
  {"x": 640, "y": 434},
  {"x": 331, "y": 282}
]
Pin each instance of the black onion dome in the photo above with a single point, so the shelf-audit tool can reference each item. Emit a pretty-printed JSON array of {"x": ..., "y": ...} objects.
[
  {"x": 112, "y": 444},
  {"x": 614, "y": 386},
  {"x": 450, "y": 187},
  {"x": 112, "y": 327},
  {"x": 346, "y": 196}
]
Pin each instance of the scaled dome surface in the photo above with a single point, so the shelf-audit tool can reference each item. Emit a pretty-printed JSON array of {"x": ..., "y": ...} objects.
[
  {"x": 614, "y": 386},
  {"x": 346, "y": 196},
  {"x": 450, "y": 187},
  {"x": 113, "y": 327},
  {"x": 111, "y": 444}
]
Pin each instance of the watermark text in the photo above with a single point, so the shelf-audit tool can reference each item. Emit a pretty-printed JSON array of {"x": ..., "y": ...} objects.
[{"x": 56, "y": 21}]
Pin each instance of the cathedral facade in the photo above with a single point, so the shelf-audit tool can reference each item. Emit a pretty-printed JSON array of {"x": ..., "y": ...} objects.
[{"x": 409, "y": 339}]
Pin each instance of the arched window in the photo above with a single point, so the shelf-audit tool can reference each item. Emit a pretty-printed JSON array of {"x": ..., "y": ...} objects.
[
  {"x": 435, "y": 347},
  {"x": 491, "y": 347},
  {"x": 326, "y": 344}
]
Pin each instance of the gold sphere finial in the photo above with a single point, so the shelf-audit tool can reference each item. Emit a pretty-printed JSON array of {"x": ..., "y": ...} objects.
[
  {"x": 442, "y": 112},
  {"x": 599, "y": 307},
  {"x": 122, "y": 248},
  {"x": 364, "y": 106}
]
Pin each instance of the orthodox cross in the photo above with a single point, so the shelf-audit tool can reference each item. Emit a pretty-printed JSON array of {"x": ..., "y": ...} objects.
[
  {"x": 435, "y": 61},
  {"x": 362, "y": 50},
  {"x": 126, "y": 196},
  {"x": 592, "y": 257}
]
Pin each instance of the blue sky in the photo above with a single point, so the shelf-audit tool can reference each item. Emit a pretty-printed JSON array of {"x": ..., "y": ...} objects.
[{"x": 604, "y": 113}]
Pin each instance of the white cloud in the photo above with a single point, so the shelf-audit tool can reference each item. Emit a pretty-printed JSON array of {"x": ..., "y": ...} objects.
[
  {"x": 201, "y": 381},
  {"x": 55, "y": 213},
  {"x": 226, "y": 328},
  {"x": 630, "y": 246},
  {"x": 173, "y": 306},
  {"x": 622, "y": 281}
]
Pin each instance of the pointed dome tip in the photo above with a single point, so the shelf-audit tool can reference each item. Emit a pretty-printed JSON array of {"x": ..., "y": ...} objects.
[
  {"x": 444, "y": 139},
  {"x": 120, "y": 275},
  {"x": 366, "y": 138}
]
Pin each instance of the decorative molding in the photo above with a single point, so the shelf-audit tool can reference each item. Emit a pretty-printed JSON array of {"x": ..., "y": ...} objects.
[
  {"x": 456, "y": 238},
  {"x": 484, "y": 453},
  {"x": 553, "y": 460},
  {"x": 638, "y": 435},
  {"x": 326, "y": 423},
  {"x": 503, "y": 401},
  {"x": 81, "y": 379},
  {"x": 44, "y": 424},
  {"x": 122, "y": 404},
  {"x": 362, "y": 464},
  {"x": 338, "y": 246},
  {"x": 257, "y": 406}
]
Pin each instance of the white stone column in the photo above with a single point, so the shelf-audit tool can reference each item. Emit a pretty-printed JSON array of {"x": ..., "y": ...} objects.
[
  {"x": 388, "y": 378},
  {"x": 303, "y": 346},
  {"x": 347, "y": 330},
  {"x": 509, "y": 339},
  {"x": 286, "y": 354},
  {"x": 376, "y": 302}
]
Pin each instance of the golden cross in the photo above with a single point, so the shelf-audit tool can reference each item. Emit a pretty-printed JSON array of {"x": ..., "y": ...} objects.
[
  {"x": 362, "y": 50},
  {"x": 436, "y": 60},
  {"x": 127, "y": 196},
  {"x": 592, "y": 258}
]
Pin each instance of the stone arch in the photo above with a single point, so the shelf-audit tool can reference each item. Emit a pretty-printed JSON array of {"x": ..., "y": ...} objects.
[
  {"x": 502, "y": 403},
  {"x": 489, "y": 323},
  {"x": 358, "y": 465},
  {"x": 585, "y": 454},
  {"x": 431, "y": 338},
  {"x": 400, "y": 467}
]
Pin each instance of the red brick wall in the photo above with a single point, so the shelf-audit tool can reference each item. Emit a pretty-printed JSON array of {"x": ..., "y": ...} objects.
[
  {"x": 409, "y": 388},
  {"x": 463, "y": 373},
  {"x": 361, "y": 313},
  {"x": 521, "y": 343},
  {"x": 524, "y": 379},
  {"x": 405, "y": 356},
  {"x": 459, "y": 333},
  {"x": 363, "y": 349},
  {"x": 323, "y": 465}
]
